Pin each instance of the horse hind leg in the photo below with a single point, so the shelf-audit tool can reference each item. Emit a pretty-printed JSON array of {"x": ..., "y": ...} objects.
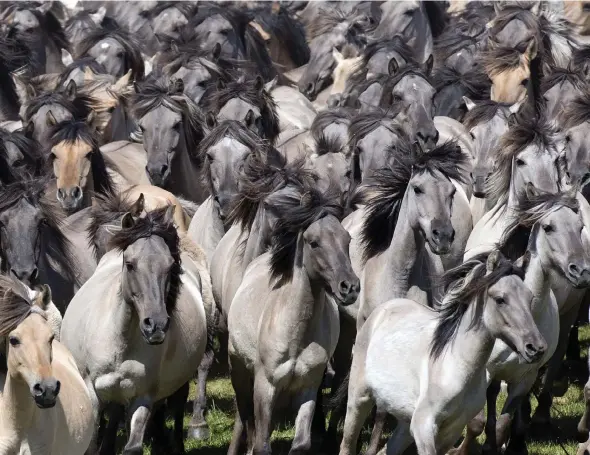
[
  {"x": 380, "y": 418},
  {"x": 303, "y": 423},
  {"x": 359, "y": 405},
  {"x": 176, "y": 403},
  {"x": 198, "y": 428},
  {"x": 474, "y": 429}
]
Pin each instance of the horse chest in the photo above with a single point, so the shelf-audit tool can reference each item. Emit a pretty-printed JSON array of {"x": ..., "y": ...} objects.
[{"x": 123, "y": 383}]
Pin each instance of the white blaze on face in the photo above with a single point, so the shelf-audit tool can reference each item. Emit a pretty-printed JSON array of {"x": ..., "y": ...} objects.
[
  {"x": 105, "y": 46},
  {"x": 414, "y": 86}
]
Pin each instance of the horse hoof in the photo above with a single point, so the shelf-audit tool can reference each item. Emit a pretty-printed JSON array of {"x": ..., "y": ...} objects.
[
  {"x": 199, "y": 432},
  {"x": 133, "y": 451}
]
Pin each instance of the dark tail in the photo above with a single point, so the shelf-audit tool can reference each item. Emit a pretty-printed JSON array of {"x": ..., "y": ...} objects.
[{"x": 338, "y": 398}]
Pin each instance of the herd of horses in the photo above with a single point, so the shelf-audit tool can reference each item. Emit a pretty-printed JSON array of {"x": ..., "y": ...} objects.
[{"x": 382, "y": 198}]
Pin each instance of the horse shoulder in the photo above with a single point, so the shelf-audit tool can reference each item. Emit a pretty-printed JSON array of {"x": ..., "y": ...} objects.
[{"x": 205, "y": 228}]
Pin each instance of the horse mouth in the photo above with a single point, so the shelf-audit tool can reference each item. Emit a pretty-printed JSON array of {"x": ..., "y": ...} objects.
[
  {"x": 45, "y": 403},
  {"x": 155, "y": 338},
  {"x": 439, "y": 249}
]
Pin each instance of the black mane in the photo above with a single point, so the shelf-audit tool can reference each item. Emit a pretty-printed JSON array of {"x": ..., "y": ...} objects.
[
  {"x": 30, "y": 149},
  {"x": 248, "y": 89},
  {"x": 385, "y": 189},
  {"x": 561, "y": 75},
  {"x": 133, "y": 57},
  {"x": 49, "y": 23},
  {"x": 81, "y": 64},
  {"x": 484, "y": 111},
  {"x": 462, "y": 285},
  {"x": 577, "y": 111},
  {"x": 329, "y": 116},
  {"x": 80, "y": 106},
  {"x": 72, "y": 131},
  {"x": 475, "y": 82},
  {"x": 54, "y": 244},
  {"x": 155, "y": 223},
  {"x": 14, "y": 54}
]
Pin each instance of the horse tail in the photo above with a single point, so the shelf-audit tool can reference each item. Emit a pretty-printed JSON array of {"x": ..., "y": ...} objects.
[{"x": 339, "y": 396}]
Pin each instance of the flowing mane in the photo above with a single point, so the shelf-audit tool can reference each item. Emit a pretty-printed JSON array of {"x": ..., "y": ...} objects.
[
  {"x": 364, "y": 123},
  {"x": 30, "y": 149},
  {"x": 328, "y": 144},
  {"x": 500, "y": 59},
  {"x": 79, "y": 106},
  {"x": 133, "y": 57},
  {"x": 71, "y": 132},
  {"x": 475, "y": 82},
  {"x": 14, "y": 55},
  {"x": 525, "y": 131},
  {"x": 562, "y": 75},
  {"x": 155, "y": 223},
  {"x": 330, "y": 116},
  {"x": 15, "y": 304},
  {"x": 384, "y": 192},
  {"x": 577, "y": 111},
  {"x": 48, "y": 22},
  {"x": 296, "y": 212},
  {"x": 80, "y": 64},
  {"x": 529, "y": 210},
  {"x": 54, "y": 243},
  {"x": 466, "y": 285},
  {"x": 252, "y": 91},
  {"x": 484, "y": 111},
  {"x": 167, "y": 93}
]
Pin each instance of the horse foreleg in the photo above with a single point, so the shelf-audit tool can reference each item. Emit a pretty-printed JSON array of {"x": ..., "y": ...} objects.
[
  {"x": 264, "y": 400},
  {"x": 140, "y": 413},
  {"x": 360, "y": 403},
  {"x": 491, "y": 444},
  {"x": 116, "y": 412},
  {"x": 96, "y": 411},
  {"x": 243, "y": 426},
  {"x": 176, "y": 403},
  {"x": 399, "y": 441},
  {"x": 425, "y": 431},
  {"x": 584, "y": 424},
  {"x": 305, "y": 416},
  {"x": 198, "y": 428},
  {"x": 474, "y": 429},
  {"x": 542, "y": 413},
  {"x": 510, "y": 424}
]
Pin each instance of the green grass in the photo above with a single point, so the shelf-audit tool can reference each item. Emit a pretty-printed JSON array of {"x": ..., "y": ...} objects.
[{"x": 560, "y": 439}]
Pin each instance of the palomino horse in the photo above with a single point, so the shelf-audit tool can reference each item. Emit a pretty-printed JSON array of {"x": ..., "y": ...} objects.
[
  {"x": 147, "y": 306},
  {"x": 575, "y": 121},
  {"x": 45, "y": 404},
  {"x": 77, "y": 163},
  {"x": 485, "y": 300},
  {"x": 291, "y": 294}
]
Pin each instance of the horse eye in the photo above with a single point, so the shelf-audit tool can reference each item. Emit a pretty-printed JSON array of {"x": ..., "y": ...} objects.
[
  {"x": 547, "y": 228},
  {"x": 120, "y": 54},
  {"x": 14, "y": 341},
  {"x": 524, "y": 82},
  {"x": 520, "y": 162},
  {"x": 129, "y": 266},
  {"x": 18, "y": 163},
  {"x": 348, "y": 174},
  {"x": 396, "y": 99},
  {"x": 568, "y": 138},
  {"x": 417, "y": 190},
  {"x": 111, "y": 109},
  {"x": 210, "y": 157},
  {"x": 176, "y": 126},
  {"x": 314, "y": 244},
  {"x": 472, "y": 135},
  {"x": 500, "y": 301}
]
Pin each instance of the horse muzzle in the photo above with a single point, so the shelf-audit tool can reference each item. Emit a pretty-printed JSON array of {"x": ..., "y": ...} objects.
[
  {"x": 154, "y": 332},
  {"x": 45, "y": 393},
  {"x": 348, "y": 291},
  {"x": 578, "y": 275}
]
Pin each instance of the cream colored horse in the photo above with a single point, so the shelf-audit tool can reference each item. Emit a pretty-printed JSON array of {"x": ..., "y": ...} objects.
[{"x": 58, "y": 420}]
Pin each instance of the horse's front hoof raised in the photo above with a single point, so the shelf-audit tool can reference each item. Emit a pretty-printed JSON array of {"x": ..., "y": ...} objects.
[{"x": 199, "y": 432}]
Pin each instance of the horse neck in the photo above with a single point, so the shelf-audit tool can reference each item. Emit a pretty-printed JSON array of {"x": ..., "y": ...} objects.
[
  {"x": 255, "y": 245},
  {"x": 538, "y": 282},
  {"x": 402, "y": 253},
  {"x": 185, "y": 177},
  {"x": 18, "y": 409},
  {"x": 88, "y": 190},
  {"x": 472, "y": 345}
]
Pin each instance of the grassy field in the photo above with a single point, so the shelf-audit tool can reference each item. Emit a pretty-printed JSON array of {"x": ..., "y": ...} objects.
[{"x": 560, "y": 439}]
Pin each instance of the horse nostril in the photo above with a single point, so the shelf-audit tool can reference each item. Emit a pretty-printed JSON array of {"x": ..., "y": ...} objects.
[
  {"x": 530, "y": 348},
  {"x": 38, "y": 389},
  {"x": 61, "y": 194},
  {"x": 34, "y": 274},
  {"x": 435, "y": 233},
  {"x": 164, "y": 169},
  {"x": 309, "y": 88},
  {"x": 574, "y": 270},
  {"x": 345, "y": 286},
  {"x": 77, "y": 192},
  {"x": 57, "y": 387},
  {"x": 148, "y": 323},
  {"x": 436, "y": 135}
]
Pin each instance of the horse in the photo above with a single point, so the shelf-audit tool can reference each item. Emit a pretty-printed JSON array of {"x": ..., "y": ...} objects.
[
  {"x": 45, "y": 403},
  {"x": 33, "y": 246},
  {"x": 13, "y": 56},
  {"x": 246, "y": 100},
  {"x": 168, "y": 18},
  {"x": 83, "y": 23},
  {"x": 407, "y": 223},
  {"x": 333, "y": 124},
  {"x": 145, "y": 331},
  {"x": 559, "y": 89},
  {"x": 509, "y": 71},
  {"x": 172, "y": 128},
  {"x": 485, "y": 300},
  {"x": 546, "y": 234},
  {"x": 527, "y": 159},
  {"x": 331, "y": 164},
  {"x": 77, "y": 163},
  {"x": 487, "y": 122},
  {"x": 116, "y": 50},
  {"x": 21, "y": 153},
  {"x": 307, "y": 266},
  {"x": 39, "y": 27}
]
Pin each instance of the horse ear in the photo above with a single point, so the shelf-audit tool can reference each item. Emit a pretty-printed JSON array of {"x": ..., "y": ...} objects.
[
  {"x": 127, "y": 222},
  {"x": 493, "y": 261},
  {"x": 259, "y": 84},
  {"x": 138, "y": 206},
  {"x": 24, "y": 91},
  {"x": 337, "y": 56},
  {"x": 91, "y": 117},
  {"x": 210, "y": 120},
  {"x": 392, "y": 67},
  {"x": 45, "y": 7},
  {"x": 50, "y": 119},
  {"x": 122, "y": 83},
  {"x": 470, "y": 104},
  {"x": 66, "y": 58},
  {"x": 29, "y": 130},
  {"x": 216, "y": 52},
  {"x": 249, "y": 118},
  {"x": 531, "y": 51},
  {"x": 98, "y": 17},
  {"x": 43, "y": 298},
  {"x": 523, "y": 262},
  {"x": 71, "y": 89},
  {"x": 272, "y": 84},
  {"x": 428, "y": 65},
  {"x": 169, "y": 215}
]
